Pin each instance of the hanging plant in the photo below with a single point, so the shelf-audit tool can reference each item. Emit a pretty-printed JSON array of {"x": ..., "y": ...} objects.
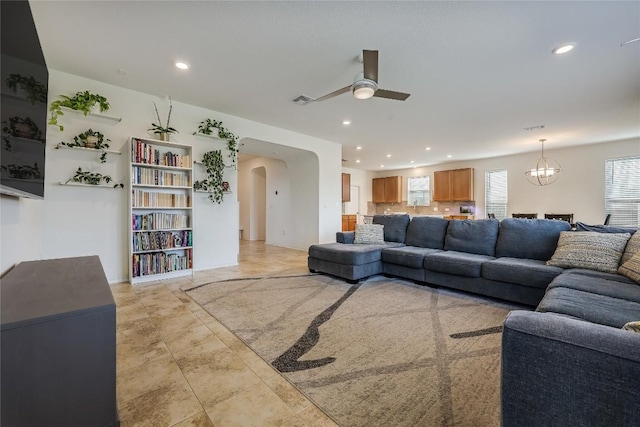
[
  {"x": 81, "y": 101},
  {"x": 92, "y": 178},
  {"x": 34, "y": 90},
  {"x": 23, "y": 171},
  {"x": 214, "y": 165},
  {"x": 158, "y": 128},
  {"x": 89, "y": 139},
  {"x": 207, "y": 126}
]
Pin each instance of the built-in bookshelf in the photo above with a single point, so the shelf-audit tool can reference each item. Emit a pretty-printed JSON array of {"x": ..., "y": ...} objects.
[{"x": 160, "y": 210}]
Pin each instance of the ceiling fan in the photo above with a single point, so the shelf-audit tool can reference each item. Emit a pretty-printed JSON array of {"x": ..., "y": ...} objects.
[{"x": 365, "y": 84}]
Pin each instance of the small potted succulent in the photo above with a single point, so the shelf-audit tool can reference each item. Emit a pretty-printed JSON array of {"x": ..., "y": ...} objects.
[
  {"x": 163, "y": 132},
  {"x": 81, "y": 101}
]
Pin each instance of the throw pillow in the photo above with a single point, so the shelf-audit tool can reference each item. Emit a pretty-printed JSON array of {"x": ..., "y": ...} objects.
[
  {"x": 633, "y": 247},
  {"x": 369, "y": 234},
  {"x": 632, "y": 326},
  {"x": 631, "y": 268},
  {"x": 590, "y": 250}
]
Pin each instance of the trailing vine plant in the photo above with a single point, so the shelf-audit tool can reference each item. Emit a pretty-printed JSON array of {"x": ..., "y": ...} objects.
[
  {"x": 89, "y": 139},
  {"x": 92, "y": 178},
  {"x": 206, "y": 127},
  {"x": 21, "y": 128},
  {"x": 35, "y": 91},
  {"x": 23, "y": 171},
  {"x": 214, "y": 164},
  {"x": 81, "y": 101}
]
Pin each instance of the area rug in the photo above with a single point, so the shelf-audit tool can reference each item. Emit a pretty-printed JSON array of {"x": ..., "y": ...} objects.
[{"x": 383, "y": 352}]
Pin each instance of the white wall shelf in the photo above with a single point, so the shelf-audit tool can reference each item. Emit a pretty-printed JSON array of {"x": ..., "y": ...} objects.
[
  {"x": 80, "y": 184},
  {"x": 205, "y": 136},
  {"x": 98, "y": 115},
  {"x": 117, "y": 153},
  {"x": 210, "y": 192}
]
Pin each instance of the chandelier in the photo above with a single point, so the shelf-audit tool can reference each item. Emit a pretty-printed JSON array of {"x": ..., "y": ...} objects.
[{"x": 546, "y": 171}]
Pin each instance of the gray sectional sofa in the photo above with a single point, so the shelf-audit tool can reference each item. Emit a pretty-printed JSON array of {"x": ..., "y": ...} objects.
[{"x": 566, "y": 363}]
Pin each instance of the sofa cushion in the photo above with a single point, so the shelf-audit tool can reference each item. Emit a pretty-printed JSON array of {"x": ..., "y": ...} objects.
[
  {"x": 597, "y": 285},
  {"x": 458, "y": 263},
  {"x": 631, "y": 268},
  {"x": 590, "y": 250},
  {"x": 472, "y": 236},
  {"x": 529, "y": 238},
  {"x": 632, "y": 248},
  {"x": 427, "y": 232},
  {"x": 369, "y": 234},
  {"x": 395, "y": 226},
  {"x": 409, "y": 256},
  {"x": 526, "y": 272},
  {"x": 594, "y": 308},
  {"x": 598, "y": 275},
  {"x": 341, "y": 253},
  {"x": 581, "y": 226}
]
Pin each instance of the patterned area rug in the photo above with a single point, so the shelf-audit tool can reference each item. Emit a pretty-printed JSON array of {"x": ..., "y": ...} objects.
[{"x": 383, "y": 352}]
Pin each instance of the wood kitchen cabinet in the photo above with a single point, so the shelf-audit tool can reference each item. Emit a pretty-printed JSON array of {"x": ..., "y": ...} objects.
[
  {"x": 387, "y": 190},
  {"x": 454, "y": 185},
  {"x": 348, "y": 222},
  {"x": 346, "y": 187}
]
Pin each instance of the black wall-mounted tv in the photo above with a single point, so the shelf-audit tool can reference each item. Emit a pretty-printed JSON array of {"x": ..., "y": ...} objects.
[{"x": 24, "y": 88}]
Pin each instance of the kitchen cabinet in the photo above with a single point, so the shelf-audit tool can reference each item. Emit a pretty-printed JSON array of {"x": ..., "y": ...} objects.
[
  {"x": 348, "y": 222},
  {"x": 454, "y": 185},
  {"x": 387, "y": 190},
  {"x": 346, "y": 187}
]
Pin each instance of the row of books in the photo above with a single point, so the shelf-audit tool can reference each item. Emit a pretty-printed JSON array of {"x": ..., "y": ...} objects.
[
  {"x": 160, "y": 262},
  {"x": 159, "y": 221},
  {"x": 141, "y": 152},
  {"x": 146, "y": 176},
  {"x": 154, "y": 240},
  {"x": 153, "y": 199}
]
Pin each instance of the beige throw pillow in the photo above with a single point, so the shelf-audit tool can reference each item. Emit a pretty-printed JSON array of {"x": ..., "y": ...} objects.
[
  {"x": 632, "y": 326},
  {"x": 590, "y": 250},
  {"x": 631, "y": 268},
  {"x": 369, "y": 234},
  {"x": 633, "y": 247}
]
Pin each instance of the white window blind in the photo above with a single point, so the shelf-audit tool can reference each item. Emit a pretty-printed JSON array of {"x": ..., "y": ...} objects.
[
  {"x": 622, "y": 191},
  {"x": 495, "y": 193},
  {"x": 419, "y": 192}
]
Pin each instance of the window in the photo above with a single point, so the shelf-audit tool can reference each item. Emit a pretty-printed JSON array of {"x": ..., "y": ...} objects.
[
  {"x": 419, "y": 191},
  {"x": 495, "y": 193},
  {"x": 622, "y": 191}
]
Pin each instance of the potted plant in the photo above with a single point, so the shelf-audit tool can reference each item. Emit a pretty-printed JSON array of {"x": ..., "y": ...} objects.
[
  {"x": 23, "y": 171},
  {"x": 92, "y": 178},
  {"x": 208, "y": 126},
  {"x": 81, "y": 101},
  {"x": 89, "y": 139},
  {"x": 33, "y": 90},
  {"x": 22, "y": 128},
  {"x": 214, "y": 165},
  {"x": 163, "y": 132}
]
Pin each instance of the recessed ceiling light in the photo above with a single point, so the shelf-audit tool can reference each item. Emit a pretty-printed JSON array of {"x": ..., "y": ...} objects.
[
  {"x": 449, "y": 156},
  {"x": 357, "y": 161},
  {"x": 346, "y": 122},
  {"x": 388, "y": 155},
  {"x": 412, "y": 161},
  {"x": 182, "y": 65},
  {"x": 358, "y": 148},
  {"x": 563, "y": 49},
  {"x": 381, "y": 166},
  {"x": 428, "y": 148}
]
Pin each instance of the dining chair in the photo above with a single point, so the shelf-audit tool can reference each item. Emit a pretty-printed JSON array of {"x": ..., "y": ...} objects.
[
  {"x": 561, "y": 217},
  {"x": 607, "y": 218},
  {"x": 492, "y": 216},
  {"x": 525, "y": 215}
]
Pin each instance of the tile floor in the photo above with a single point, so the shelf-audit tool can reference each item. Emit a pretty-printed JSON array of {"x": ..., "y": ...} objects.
[{"x": 178, "y": 366}]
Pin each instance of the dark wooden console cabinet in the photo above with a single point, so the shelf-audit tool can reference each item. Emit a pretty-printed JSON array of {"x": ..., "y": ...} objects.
[{"x": 58, "y": 338}]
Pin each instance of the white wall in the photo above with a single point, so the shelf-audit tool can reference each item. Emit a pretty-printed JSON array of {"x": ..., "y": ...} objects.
[
  {"x": 579, "y": 190},
  {"x": 76, "y": 221},
  {"x": 361, "y": 179}
]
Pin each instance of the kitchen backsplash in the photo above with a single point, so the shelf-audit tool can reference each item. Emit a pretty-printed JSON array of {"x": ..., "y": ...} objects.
[{"x": 454, "y": 208}]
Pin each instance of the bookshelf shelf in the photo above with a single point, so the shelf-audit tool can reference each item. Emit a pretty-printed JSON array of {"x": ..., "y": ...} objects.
[{"x": 160, "y": 208}]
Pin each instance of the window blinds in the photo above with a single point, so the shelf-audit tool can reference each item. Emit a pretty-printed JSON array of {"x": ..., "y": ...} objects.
[
  {"x": 622, "y": 191},
  {"x": 495, "y": 193}
]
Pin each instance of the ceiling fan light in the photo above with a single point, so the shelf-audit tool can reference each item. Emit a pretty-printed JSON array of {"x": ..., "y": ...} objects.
[{"x": 364, "y": 89}]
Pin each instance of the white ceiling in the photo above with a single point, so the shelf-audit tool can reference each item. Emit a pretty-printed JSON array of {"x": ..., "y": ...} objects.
[{"x": 478, "y": 72}]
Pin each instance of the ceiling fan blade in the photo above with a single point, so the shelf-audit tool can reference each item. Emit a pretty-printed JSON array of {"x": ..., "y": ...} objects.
[
  {"x": 389, "y": 94},
  {"x": 370, "y": 61},
  {"x": 334, "y": 93}
]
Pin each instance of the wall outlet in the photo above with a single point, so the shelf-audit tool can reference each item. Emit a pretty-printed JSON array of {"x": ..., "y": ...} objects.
[
  {"x": 446, "y": 209},
  {"x": 435, "y": 209}
]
